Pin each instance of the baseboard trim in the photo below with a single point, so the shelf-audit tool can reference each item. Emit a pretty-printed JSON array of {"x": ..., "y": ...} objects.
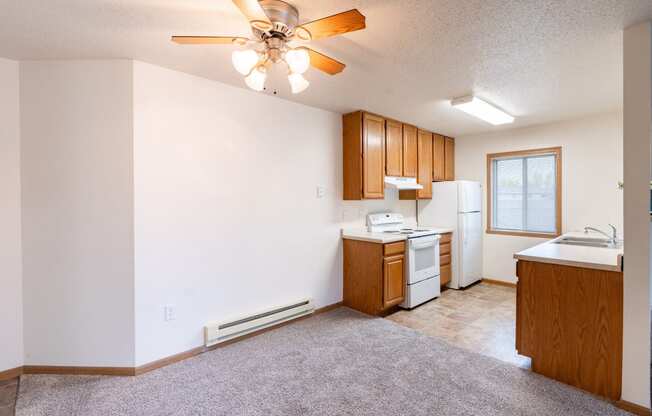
[
  {"x": 633, "y": 408},
  {"x": 11, "y": 373},
  {"x": 328, "y": 308},
  {"x": 145, "y": 368},
  {"x": 499, "y": 282},
  {"x": 163, "y": 362},
  {"x": 78, "y": 370}
]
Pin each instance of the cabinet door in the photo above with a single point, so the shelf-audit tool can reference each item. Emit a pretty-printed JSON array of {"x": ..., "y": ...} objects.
[
  {"x": 393, "y": 280},
  {"x": 393, "y": 148},
  {"x": 445, "y": 274},
  {"x": 438, "y": 158},
  {"x": 424, "y": 150},
  {"x": 449, "y": 152},
  {"x": 409, "y": 151},
  {"x": 373, "y": 156}
]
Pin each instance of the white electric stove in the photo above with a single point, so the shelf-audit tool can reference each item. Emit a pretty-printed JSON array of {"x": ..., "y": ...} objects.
[{"x": 422, "y": 279}]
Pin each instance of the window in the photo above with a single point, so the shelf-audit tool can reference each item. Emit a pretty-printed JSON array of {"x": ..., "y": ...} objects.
[{"x": 524, "y": 192}]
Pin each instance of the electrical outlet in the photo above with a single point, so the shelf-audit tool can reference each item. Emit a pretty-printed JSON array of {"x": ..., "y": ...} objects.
[
  {"x": 321, "y": 191},
  {"x": 169, "y": 313}
]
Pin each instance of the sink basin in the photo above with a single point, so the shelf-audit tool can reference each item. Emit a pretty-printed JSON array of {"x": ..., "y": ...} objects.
[{"x": 588, "y": 242}]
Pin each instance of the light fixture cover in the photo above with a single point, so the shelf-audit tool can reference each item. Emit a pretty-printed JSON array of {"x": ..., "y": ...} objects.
[
  {"x": 256, "y": 79},
  {"x": 244, "y": 61},
  {"x": 298, "y": 60},
  {"x": 482, "y": 110},
  {"x": 297, "y": 83}
]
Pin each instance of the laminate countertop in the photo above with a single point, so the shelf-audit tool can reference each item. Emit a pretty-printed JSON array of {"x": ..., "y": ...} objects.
[
  {"x": 601, "y": 258},
  {"x": 361, "y": 234}
]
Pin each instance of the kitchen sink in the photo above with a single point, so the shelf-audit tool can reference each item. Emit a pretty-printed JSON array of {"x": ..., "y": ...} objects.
[{"x": 588, "y": 242}]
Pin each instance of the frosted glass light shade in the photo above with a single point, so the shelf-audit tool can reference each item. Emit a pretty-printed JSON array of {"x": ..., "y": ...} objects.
[
  {"x": 244, "y": 61},
  {"x": 297, "y": 83},
  {"x": 256, "y": 79},
  {"x": 298, "y": 60}
]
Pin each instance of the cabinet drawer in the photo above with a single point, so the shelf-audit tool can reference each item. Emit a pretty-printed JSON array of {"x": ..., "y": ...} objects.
[
  {"x": 445, "y": 238},
  {"x": 446, "y": 274},
  {"x": 391, "y": 249},
  {"x": 444, "y": 259},
  {"x": 444, "y": 248}
]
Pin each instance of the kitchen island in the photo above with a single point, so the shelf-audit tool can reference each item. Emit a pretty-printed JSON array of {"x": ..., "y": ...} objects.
[{"x": 569, "y": 311}]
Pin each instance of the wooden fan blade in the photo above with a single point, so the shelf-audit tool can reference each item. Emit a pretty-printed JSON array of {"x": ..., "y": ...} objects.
[
  {"x": 325, "y": 63},
  {"x": 207, "y": 40},
  {"x": 253, "y": 12},
  {"x": 335, "y": 25}
]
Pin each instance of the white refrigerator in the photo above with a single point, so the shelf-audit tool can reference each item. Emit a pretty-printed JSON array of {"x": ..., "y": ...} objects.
[{"x": 457, "y": 205}]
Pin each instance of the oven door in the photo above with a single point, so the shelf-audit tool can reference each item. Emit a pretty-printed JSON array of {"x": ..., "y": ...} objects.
[{"x": 423, "y": 258}]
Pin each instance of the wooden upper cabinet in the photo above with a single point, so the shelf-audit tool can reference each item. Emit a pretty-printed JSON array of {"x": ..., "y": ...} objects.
[
  {"x": 409, "y": 151},
  {"x": 424, "y": 168},
  {"x": 393, "y": 148},
  {"x": 373, "y": 156},
  {"x": 374, "y": 146},
  {"x": 449, "y": 153},
  {"x": 438, "y": 158},
  {"x": 363, "y": 140}
]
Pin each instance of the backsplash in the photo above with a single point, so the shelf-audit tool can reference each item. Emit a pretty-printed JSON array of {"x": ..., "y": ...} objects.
[{"x": 353, "y": 213}]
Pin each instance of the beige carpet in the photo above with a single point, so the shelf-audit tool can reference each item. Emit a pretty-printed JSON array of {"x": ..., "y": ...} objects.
[{"x": 338, "y": 363}]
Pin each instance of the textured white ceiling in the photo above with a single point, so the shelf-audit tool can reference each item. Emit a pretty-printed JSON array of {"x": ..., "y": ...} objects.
[{"x": 539, "y": 60}]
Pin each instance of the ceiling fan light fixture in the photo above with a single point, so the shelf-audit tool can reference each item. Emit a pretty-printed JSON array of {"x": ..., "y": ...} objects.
[
  {"x": 297, "y": 83},
  {"x": 483, "y": 110},
  {"x": 298, "y": 60},
  {"x": 256, "y": 79},
  {"x": 244, "y": 61},
  {"x": 274, "y": 25}
]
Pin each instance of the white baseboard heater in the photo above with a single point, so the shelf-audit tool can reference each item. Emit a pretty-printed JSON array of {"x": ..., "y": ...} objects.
[{"x": 216, "y": 332}]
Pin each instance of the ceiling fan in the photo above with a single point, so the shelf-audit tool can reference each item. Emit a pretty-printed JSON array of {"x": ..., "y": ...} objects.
[{"x": 276, "y": 30}]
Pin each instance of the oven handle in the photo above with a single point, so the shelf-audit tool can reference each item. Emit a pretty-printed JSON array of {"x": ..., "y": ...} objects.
[{"x": 419, "y": 246}]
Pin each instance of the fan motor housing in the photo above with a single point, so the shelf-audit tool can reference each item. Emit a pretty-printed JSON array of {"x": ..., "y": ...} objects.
[{"x": 284, "y": 16}]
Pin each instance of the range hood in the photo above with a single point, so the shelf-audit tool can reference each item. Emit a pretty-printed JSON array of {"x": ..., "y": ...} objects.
[{"x": 402, "y": 184}]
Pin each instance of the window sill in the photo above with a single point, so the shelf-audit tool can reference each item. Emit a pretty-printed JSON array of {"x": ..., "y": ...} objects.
[{"x": 523, "y": 233}]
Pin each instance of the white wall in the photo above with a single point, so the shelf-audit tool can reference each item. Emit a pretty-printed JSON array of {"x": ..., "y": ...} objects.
[
  {"x": 11, "y": 305},
  {"x": 220, "y": 183},
  {"x": 591, "y": 169},
  {"x": 76, "y": 126},
  {"x": 227, "y": 220},
  {"x": 637, "y": 59}
]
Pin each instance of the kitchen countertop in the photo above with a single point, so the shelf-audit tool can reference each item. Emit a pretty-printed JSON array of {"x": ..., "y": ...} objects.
[
  {"x": 362, "y": 234},
  {"x": 601, "y": 258}
]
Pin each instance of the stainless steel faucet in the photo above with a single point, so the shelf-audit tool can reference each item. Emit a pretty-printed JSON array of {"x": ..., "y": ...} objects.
[{"x": 612, "y": 237}]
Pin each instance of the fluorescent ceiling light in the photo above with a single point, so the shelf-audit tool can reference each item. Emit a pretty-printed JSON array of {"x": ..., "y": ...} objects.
[{"x": 482, "y": 110}]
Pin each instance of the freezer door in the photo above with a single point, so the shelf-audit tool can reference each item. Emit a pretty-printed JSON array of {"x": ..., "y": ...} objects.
[
  {"x": 470, "y": 248},
  {"x": 441, "y": 210},
  {"x": 469, "y": 196}
]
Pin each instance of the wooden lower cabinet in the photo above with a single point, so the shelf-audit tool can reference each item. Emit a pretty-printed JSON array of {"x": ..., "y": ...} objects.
[
  {"x": 446, "y": 274},
  {"x": 374, "y": 275},
  {"x": 569, "y": 320},
  {"x": 393, "y": 280},
  {"x": 445, "y": 270}
]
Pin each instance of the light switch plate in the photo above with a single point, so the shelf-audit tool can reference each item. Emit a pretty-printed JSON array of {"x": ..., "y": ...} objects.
[
  {"x": 321, "y": 191},
  {"x": 169, "y": 313}
]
